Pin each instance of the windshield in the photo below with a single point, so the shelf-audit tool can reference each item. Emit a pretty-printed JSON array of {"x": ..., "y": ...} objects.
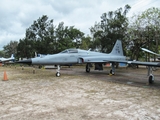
[
  {"x": 70, "y": 51},
  {"x": 65, "y": 51},
  {"x": 73, "y": 51}
]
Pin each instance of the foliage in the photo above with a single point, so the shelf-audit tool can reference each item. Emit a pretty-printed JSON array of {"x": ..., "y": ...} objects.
[
  {"x": 67, "y": 37},
  {"x": 10, "y": 48},
  {"x": 113, "y": 26},
  {"x": 43, "y": 37},
  {"x": 86, "y": 43},
  {"x": 25, "y": 49},
  {"x": 2, "y": 53},
  {"x": 143, "y": 31}
]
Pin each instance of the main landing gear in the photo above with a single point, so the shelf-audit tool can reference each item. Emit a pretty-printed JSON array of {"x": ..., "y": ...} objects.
[
  {"x": 150, "y": 73},
  {"x": 88, "y": 67},
  {"x": 112, "y": 71},
  {"x": 151, "y": 76}
]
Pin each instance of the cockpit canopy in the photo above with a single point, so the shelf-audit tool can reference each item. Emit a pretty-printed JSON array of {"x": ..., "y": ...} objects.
[{"x": 70, "y": 51}]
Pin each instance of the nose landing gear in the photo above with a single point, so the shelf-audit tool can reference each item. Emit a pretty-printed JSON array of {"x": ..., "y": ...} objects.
[
  {"x": 151, "y": 76},
  {"x": 58, "y": 71}
]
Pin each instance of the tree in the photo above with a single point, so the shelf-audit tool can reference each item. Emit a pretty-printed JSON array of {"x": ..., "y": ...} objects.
[
  {"x": 86, "y": 43},
  {"x": 67, "y": 37},
  {"x": 43, "y": 37},
  {"x": 151, "y": 21},
  {"x": 2, "y": 53},
  {"x": 24, "y": 48},
  {"x": 76, "y": 36},
  {"x": 41, "y": 33},
  {"x": 10, "y": 48},
  {"x": 113, "y": 26},
  {"x": 63, "y": 39},
  {"x": 143, "y": 31}
]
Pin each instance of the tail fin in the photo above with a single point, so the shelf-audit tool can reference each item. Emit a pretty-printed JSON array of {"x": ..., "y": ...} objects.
[
  {"x": 117, "y": 49},
  {"x": 12, "y": 56}
]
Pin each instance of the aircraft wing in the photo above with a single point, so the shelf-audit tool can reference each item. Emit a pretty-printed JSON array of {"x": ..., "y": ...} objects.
[
  {"x": 146, "y": 50},
  {"x": 104, "y": 60},
  {"x": 6, "y": 60},
  {"x": 101, "y": 59},
  {"x": 154, "y": 64}
]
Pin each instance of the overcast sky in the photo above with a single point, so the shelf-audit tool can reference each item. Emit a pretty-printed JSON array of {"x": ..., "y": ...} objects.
[{"x": 17, "y": 15}]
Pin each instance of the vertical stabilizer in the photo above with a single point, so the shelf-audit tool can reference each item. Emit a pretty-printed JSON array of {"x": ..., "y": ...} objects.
[
  {"x": 117, "y": 49},
  {"x": 12, "y": 56}
]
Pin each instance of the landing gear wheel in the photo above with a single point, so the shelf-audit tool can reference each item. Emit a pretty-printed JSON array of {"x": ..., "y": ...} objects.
[
  {"x": 111, "y": 72},
  {"x": 151, "y": 79},
  {"x": 58, "y": 74},
  {"x": 87, "y": 70}
]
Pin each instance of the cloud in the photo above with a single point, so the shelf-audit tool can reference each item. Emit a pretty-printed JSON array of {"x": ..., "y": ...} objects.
[{"x": 18, "y": 15}]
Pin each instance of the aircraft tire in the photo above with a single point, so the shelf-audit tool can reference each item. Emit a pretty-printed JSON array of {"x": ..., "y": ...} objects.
[
  {"x": 111, "y": 72},
  {"x": 87, "y": 70},
  {"x": 58, "y": 74},
  {"x": 151, "y": 79}
]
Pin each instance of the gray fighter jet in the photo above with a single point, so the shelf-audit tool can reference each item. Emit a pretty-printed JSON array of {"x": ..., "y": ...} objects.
[{"x": 78, "y": 56}]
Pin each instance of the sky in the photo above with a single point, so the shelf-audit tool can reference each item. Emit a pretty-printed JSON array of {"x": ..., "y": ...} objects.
[{"x": 18, "y": 15}]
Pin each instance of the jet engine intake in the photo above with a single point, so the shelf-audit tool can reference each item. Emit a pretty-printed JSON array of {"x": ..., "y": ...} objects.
[{"x": 80, "y": 60}]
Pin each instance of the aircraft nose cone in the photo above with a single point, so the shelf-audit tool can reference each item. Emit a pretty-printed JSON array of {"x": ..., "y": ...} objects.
[{"x": 29, "y": 61}]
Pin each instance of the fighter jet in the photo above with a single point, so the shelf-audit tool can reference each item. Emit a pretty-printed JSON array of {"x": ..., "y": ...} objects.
[
  {"x": 79, "y": 56},
  {"x": 2, "y": 59}
]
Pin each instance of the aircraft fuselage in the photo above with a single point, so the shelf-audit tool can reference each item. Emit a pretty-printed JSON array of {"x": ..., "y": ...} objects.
[{"x": 74, "y": 58}]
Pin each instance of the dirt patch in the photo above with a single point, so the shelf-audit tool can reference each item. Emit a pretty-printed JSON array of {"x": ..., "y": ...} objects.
[{"x": 76, "y": 95}]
